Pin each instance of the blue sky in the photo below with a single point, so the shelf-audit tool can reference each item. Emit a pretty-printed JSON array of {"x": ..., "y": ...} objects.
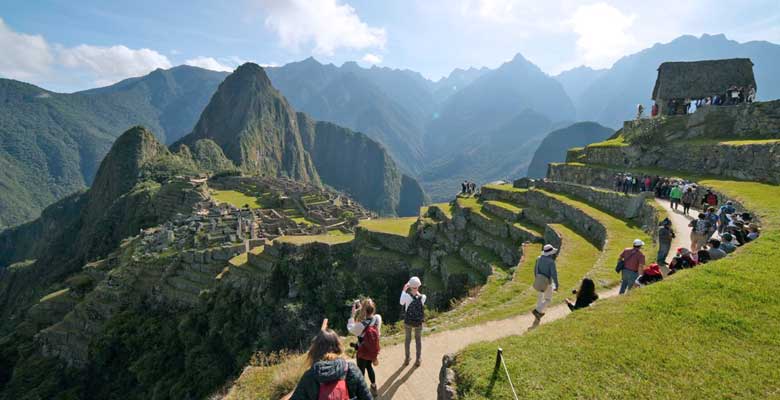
[{"x": 72, "y": 45}]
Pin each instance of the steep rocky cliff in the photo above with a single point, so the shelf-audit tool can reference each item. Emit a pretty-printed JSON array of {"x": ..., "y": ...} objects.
[{"x": 260, "y": 132}]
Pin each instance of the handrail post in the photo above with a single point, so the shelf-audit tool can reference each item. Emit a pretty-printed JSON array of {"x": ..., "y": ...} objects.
[{"x": 499, "y": 355}]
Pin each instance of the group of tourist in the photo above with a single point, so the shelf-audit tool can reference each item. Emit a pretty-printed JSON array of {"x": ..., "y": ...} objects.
[
  {"x": 632, "y": 183},
  {"x": 468, "y": 188},
  {"x": 733, "y": 95},
  {"x": 332, "y": 376}
]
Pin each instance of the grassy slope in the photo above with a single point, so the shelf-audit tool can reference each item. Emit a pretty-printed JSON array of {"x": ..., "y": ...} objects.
[
  {"x": 238, "y": 199},
  {"x": 394, "y": 226},
  {"x": 507, "y": 294},
  {"x": 328, "y": 239},
  {"x": 710, "y": 332}
]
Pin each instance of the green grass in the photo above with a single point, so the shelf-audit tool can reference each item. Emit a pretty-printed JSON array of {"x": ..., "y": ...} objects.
[
  {"x": 54, "y": 295},
  {"x": 239, "y": 199},
  {"x": 393, "y": 226},
  {"x": 620, "y": 234},
  {"x": 619, "y": 141},
  {"x": 445, "y": 208},
  {"x": 505, "y": 205},
  {"x": 506, "y": 294},
  {"x": 709, "y": 332},
  {"x": 239, "y": 260},
  {"x": 507, "y": 187},
  {"x": 327, "y": 239}
]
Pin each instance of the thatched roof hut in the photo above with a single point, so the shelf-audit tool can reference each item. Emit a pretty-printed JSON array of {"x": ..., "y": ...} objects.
[{"x": 699, "y": 79}]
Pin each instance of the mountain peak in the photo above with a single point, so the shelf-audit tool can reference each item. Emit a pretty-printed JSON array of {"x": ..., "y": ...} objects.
[{"x": 251, "y": 71}]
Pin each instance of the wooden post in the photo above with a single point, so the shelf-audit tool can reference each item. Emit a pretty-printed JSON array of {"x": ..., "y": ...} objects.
[{"x": 499, "y": 355}]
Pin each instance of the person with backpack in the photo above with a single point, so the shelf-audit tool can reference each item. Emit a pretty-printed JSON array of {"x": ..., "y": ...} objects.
[
  {"x": 630, "y": 263},
  {"x": 414, "y": 316},
  {"x": 330, "y": 376},
  {"x": 545, "y": 279},
  {"x": 710, "y": 199},
  {"x": 585, "y": 296},
  {"x": 650, "y": 274},
  {"x": 675, "y": 196},
  {"x": 700, "y": 229},
  {"x": 687, "y": 200},
  {"x": 726, "y": 211},
  {"x": 683, "y": 260},
  {"x": 366, "y": 325}
]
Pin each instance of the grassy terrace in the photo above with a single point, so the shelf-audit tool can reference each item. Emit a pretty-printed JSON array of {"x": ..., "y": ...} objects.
[
  {"x": 619, "y": 141},
  {"x": 709, "y": 332},
  {"x": 505, "y": 205},
  {"x": 620, "y": 234},
  {"x": 327, "y": 239},
  {"x": 393, "y": 226},
  {"x": 445, "y": 208},
  {"x": 238, "y": 199},
  {"x": 508, "y": 292}
]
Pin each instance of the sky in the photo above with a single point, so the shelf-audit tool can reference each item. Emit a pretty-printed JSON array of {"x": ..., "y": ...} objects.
[{"x": 66, "y": 45}]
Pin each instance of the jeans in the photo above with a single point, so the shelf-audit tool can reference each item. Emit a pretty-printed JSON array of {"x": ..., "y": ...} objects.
[
  {"x": 663, "y": 252},
  {"x": 417, "y": 340},
  {"x": 544, "y": 299},
  {"x": 628, "y": 279},
  {"x": 366, "y": 365}
]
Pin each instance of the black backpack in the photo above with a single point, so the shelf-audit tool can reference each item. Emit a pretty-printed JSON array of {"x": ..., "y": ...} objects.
[{"x": 415, "y": 313}]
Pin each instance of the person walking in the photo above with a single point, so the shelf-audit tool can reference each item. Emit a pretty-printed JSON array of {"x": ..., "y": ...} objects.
[
  {"x": 367, "y": 326},
  {"x": 665, "y": 237},
  {"x": 700, "y": 229},
  {"x": 330, "y": 375},
  {"x": 414, "y": 317},
  {"x": 687, "y": 200},
  {"x": 545, "y": 279},
  {"x": 630, "y": 262},
  {"x": 726, "y": 211},
  {"x": 675, "y": 196},
  {"x": 710, "y": 199}
]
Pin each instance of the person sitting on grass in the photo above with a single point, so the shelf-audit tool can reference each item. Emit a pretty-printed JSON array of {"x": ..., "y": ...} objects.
[
  {"x": 650, "y": 274},
  {"x": 330, "y": 375},
  {"x": 683, "y": 260},
  {"x": 715, "y": 252},
  {"x": 585, "y": 296},
  {"x": 754, "y": 232},
  {"x": 728, "y": 243}
]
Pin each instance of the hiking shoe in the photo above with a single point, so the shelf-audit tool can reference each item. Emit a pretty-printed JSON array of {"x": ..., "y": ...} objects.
[
  {"x": 406, "y": 362},
  {"x": 537, "y": 314},
  {"x": 374, "y": 392},
  {"x": 417, "y": 363}
]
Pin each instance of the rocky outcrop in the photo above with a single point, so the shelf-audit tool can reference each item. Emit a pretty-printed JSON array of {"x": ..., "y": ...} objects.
[{"x": 447, "y": 389}]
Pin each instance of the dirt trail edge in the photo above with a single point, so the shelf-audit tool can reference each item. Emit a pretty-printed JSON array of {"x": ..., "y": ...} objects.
[{"x": 401, "y": 383}]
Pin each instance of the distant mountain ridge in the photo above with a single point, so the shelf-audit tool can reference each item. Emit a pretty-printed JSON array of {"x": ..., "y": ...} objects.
[
  {"x": 554, "y": 146},
  {"x": 51, "y": 143}
]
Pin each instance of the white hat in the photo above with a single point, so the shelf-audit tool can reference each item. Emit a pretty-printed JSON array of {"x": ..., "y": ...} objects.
[
  {"x": 549, "y": 250},
  {"x": 415, "y": 282},
  {"x": 638, "y": 243}
]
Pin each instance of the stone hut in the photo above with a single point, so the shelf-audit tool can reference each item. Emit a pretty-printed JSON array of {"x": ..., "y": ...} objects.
[{"x": 700, "y": 79}]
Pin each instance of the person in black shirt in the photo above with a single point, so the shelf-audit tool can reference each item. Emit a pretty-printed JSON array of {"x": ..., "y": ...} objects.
[{"x": 585, "y": 296}]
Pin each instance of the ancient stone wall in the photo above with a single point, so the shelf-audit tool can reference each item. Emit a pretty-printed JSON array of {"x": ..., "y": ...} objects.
[{"x": 584, "y": 224}]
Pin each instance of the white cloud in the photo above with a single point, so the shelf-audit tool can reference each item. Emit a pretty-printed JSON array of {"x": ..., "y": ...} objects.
[
  {"x": 327, "y": 24},
  {"x": 209, "y": 63},
  {"x": 111, "y": 64},
  {"x": 370, "y": 58},
  {"x": 23, "y": 56},
  {"x": 500, "y": 11},
  {"x": 603, "y": 32}
]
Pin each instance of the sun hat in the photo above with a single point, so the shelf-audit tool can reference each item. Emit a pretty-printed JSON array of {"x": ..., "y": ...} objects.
[
  {"x": 549, "y": 250},
  {"x": 638, "y": 243},
  {"x": 415, "y": 282}
]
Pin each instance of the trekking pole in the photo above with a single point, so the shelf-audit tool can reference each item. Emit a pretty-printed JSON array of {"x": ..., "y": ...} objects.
[{"x": 500, "y": 357}]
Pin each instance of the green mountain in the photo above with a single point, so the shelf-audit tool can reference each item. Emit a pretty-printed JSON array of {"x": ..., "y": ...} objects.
[
  {"x": 554, "y": 146},
  {"x": 260, "y": 132},
  {"x": 51, "y": 143}
]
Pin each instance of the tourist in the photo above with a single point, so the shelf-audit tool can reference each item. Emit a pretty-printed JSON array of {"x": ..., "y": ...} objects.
[
  {"x": 585, "y": 296},
  {"x": 751, "y": 94},
  {"x": 728, "y": 243},
  {"x": 755, "y": 232},
  {"x": 687, "y": 200},
  {"x": 709, "y": 199},
  {"x": 640, "y": 109},
  {"x": 648, "y": 182},
  {"x": 330, "y": 375},
  {"x": 682, "y": 260},
  {"x": 627, "y": 184},
  {"x": 726, "y": 211},
  {"x": 463, "y": 187},
  {"x": 665, "y": 237},
  {"x": 630, "y": 262},
  {"x": 650, "y": 274},
  {"x": 713, "y": 218},
  {"x": 738, "y": 230},
  {"x": 675, "y": 196},
  {"x": 654, "y": 110},
  {"x": 619, "y": 182},
  {"x": 699, "y": 232},
  {"x": 367, "y": 326},
  {"x": 715, "y": 252},
  {"x": 414, "y": 316},
  {"x": 708, "y": 101},
  {"x": 545, "y": 279}
]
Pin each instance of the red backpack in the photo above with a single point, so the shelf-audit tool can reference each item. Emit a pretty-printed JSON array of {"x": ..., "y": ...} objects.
[
  {"x": 335, "y": 390},
  {"x": 369, "y": 346}
]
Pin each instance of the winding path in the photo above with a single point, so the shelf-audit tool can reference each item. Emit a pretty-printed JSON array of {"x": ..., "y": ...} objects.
[{"x": 398, "y": 382}]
